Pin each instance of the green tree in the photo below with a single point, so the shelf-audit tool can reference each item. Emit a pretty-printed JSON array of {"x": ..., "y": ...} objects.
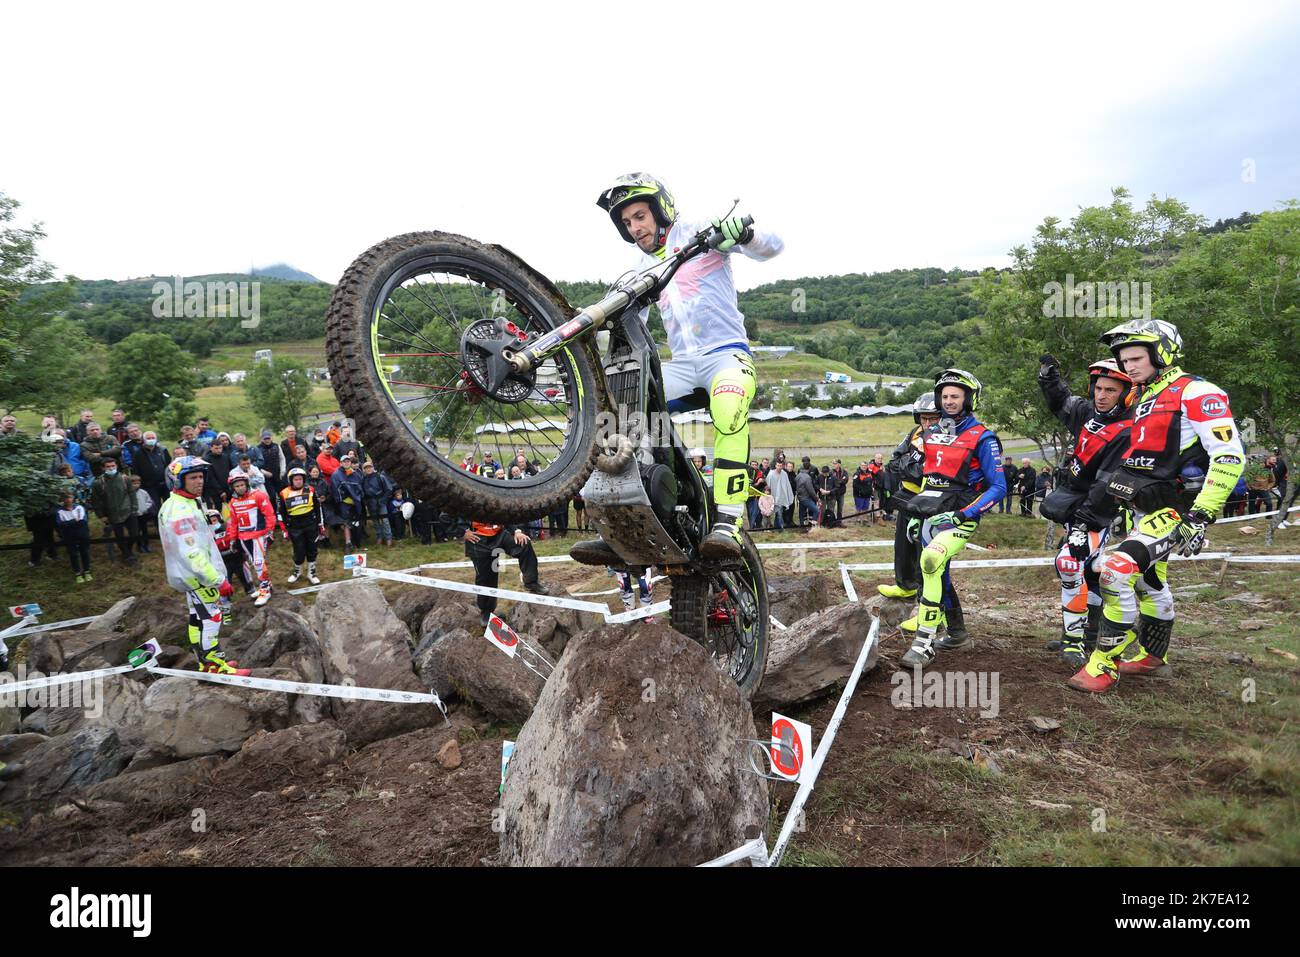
[
  {"x": 1235, "y": 297},
  {"x": 144, "y": 369},
  {"x": 26, "y": 485},
  {"x": 176, "y": 411},
  {"x": 46, "y": 361},
  {"x": 277, "y": 391},
  {"x": 1050, "y": 301}
]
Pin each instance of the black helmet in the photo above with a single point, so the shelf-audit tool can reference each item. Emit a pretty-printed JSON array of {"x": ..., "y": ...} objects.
[
  {"x": 923, "y": 405},
  {"x": 639, "y": 186}
]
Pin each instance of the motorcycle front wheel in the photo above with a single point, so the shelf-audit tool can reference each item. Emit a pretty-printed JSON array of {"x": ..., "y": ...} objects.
[{"x": 403, "y": 337}]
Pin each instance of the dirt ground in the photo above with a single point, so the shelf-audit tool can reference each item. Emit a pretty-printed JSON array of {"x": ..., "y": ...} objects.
[{"x": 1180, "y": 770}]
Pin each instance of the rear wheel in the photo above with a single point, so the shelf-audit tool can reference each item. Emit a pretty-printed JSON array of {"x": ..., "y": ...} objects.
[
  {"x": 727, "y": 612},
  {"x": 409, "y": 336}
]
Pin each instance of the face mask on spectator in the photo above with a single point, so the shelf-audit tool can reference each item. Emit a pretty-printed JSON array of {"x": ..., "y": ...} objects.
[
  {"x": 110, "y": 471},
  {"x": 151, "y": 442}
]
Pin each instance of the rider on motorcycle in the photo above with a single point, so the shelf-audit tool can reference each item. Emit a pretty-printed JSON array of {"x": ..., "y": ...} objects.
[{"x": 712, "y": 366}]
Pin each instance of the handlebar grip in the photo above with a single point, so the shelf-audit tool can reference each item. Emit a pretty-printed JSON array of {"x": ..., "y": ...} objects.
[{"x": 718, "y": 238}]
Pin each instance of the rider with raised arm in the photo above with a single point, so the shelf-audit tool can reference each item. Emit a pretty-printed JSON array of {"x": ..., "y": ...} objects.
[
  {"x": 1183, "y": 440},
  {"x": 1100, "y": 423},
  {"x": 711, "y": 365}
]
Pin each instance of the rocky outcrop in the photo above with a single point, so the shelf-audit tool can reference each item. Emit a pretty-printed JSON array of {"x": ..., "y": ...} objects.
[
  {"x": 631, "y": 758},
  {"x": 815, "y": 655},
  {"x": 366, "y": 645}
]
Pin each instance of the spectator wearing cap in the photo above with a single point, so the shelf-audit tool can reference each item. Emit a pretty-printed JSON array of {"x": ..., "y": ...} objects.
[
  {"x": 349, "y": 500},
  {"x": 377, "y": 492}
]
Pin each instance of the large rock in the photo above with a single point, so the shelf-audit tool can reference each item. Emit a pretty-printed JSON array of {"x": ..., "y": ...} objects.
[
  {"x": 791, "y": 597},
  {"x": 303, "y": 747},
  {"x": 116, "y": 701},
  {"x": 412, "y": 603},
  {"x": 14, "y": 746},
  {"x": 65, "y": 651},
  {"x": 65, "y": 765},
  {"x": 631, "y": 758},
  {"x": 890, "y": 611},
  {"x": 283, "y": 640},
  {"x": 185, "y": 718},
  {"x": 476, "y": 670},
  {"x": 551, "y": 628},
  {"x": 448, "y": 617},
  {"x": 160, "y": 785},
  {"x": 365, "y": 644},
  {"x": 814, "y": 655}
]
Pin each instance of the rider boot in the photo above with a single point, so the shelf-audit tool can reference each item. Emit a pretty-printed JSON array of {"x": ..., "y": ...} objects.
[
  {"x": 957, "y": 636},
  {"x": 595, "y": 551},
  {"x": 297, "y": 573},
  {"x": 1153, "y": 649},
  {"x": 896, "y": 591},
  {"x": 214, "y": 662},
  {"x": 922, "y": 652},
  {"x": 1076, "y": 652},
  {"x": 1100, "y": 674},
  {"x": 311, "y": 573},
  {"x": 723, "y": 543}
]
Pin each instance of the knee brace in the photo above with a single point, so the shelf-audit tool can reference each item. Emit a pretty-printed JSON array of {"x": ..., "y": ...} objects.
[
  {"x": 932, "y": 559},
  {"x": 1118, "y": 569}
]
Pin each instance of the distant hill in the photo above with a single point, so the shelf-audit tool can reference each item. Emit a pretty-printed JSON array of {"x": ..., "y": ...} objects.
[{"x": 284, "y": 271}]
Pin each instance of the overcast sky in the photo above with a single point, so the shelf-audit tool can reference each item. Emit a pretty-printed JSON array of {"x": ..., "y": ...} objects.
[{"x": 197, "y": 138}]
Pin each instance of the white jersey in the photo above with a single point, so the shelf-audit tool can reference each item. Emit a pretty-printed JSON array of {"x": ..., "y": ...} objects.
[{"x": 699, "y": 305}]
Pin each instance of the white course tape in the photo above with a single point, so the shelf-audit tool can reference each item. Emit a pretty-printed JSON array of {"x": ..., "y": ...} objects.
[
  {"x": 52, "y": 626},
  {"x": 1251, "y": 518},
  {"x": 755, "y": 851},
  {"x": 611, "y": 591},
  {"x": 463, "y": 587},
  {"x": 302, "y": 687},
  {"x": 543, "y": 559},
  {"x": 18, "y": 626},
  {"x": 772, "y": 619},
  {"x": 645, "y": 611},
  {"x": 342, "y": 581},
  {"x": 823, "y": 748},
  {"x": 52, "y": 680},
  {"x": 1266, "y": 559},
  {"x": 848, "y": 580}
]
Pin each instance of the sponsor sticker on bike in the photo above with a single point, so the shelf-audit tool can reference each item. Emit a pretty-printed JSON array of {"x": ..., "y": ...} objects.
[{"x": 791, "y": 742}]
